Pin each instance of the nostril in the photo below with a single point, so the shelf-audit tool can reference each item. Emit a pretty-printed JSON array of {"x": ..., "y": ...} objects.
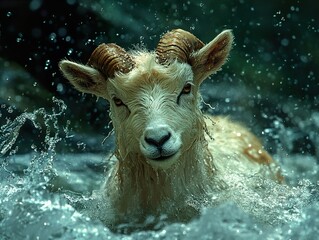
[
  {"x": 159, "y": 141},
  {"x": 151, "y": 141},
  {"x": 164, "y": 138}
]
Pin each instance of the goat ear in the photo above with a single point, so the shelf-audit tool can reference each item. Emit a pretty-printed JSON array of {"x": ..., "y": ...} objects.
[
  {"x": 84, "y": 78},
  {"x": 212, "y": 56}
]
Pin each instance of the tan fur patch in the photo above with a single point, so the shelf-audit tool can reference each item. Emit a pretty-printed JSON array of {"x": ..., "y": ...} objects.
[{"x": 258, "y": 155}]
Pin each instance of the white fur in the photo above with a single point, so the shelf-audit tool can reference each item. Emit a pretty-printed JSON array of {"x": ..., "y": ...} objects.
[{"x": 157, "y": 120}]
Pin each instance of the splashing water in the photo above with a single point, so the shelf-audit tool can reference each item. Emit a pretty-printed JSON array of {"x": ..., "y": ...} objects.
[
  {"x": 11, "y": 130},
  {"x": 42, "y": 161},
  {"x": 46, "y": 195}
]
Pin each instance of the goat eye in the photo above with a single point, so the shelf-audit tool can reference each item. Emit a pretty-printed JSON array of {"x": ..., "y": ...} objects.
[
  {"x": 118, "y": 102},
  {"x": 187, "y": 88}
]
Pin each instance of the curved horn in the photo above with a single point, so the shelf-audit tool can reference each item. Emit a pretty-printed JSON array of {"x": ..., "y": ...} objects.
[
  {"x": 177, "y": 45},
  {"x": 110, "y": 58}
]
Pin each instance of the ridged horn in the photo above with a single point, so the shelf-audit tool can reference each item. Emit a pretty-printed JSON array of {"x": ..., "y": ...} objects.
[
  {"x": 110, "y": 58},
  {"x": 177, "y": 45}
]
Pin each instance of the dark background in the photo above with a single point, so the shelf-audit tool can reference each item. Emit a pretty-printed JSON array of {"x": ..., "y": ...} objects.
[{"x": 270, "y": 82}]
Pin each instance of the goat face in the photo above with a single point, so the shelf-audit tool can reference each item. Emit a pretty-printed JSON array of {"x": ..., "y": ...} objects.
[
  {"x": 153, "y": 96},
  {"x": 154, "y": 110}
]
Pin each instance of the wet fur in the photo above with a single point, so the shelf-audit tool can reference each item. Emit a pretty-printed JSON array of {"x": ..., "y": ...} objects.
[{"x": 212, "y": 147}]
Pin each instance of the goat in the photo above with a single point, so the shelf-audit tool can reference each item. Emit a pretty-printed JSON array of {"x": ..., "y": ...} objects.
[{"x": 168, "y": 153}]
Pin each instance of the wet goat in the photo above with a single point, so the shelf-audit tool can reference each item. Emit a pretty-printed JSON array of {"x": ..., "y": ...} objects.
[{"x": 168, "y": 153}]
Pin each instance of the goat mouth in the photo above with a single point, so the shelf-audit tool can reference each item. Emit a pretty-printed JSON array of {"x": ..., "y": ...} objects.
[
  {"x": 164, "y": 161},
  {"x": 163, "y": 158}
]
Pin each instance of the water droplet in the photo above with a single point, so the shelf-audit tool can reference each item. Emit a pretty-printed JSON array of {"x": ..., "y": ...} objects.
[
  {"x": 81, "y": 145},
  {"x": 9, "y": 14},
  {"x": 89, "y": 41},
  {"x": 62, "y": 31},
  {"x": 52, "y": 37},
  {"x": 47, "y": 63},
  {"x": 68, "y": 38},
  {"x": 304, "y": 58},
  {"x": 35, "y": 5},
  {"x": 284, "y": 42},
  {"x": 70, "y": 51},
  {"x": 59, "y": 87},
  {"x": 33, "y": 146},
  {"x": 10, "y": 109}
]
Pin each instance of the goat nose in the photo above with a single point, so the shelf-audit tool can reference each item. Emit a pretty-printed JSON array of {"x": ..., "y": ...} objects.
[{"x": 157, "y": 136}]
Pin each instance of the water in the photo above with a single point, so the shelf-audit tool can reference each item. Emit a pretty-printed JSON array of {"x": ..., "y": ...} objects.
[{"x": 48, "y": 195}]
